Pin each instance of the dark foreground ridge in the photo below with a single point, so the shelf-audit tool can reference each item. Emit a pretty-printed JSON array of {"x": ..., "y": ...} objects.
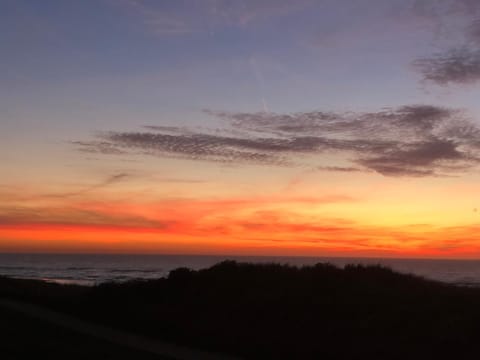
[{"x": 271, "y": 311}]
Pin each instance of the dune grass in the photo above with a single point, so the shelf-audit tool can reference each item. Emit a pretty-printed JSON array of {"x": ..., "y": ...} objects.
[{"x": 284, "y": 312}]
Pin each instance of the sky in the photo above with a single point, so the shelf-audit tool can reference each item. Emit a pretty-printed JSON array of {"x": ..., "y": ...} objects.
[{"x": 246, "y": 127}]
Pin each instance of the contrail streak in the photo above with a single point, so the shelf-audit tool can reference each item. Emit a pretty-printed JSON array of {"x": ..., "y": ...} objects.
[{"x": 260, "y": 82}]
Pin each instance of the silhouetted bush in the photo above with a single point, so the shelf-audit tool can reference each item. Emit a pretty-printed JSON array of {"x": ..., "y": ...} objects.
[{"x": 280, "y": 311}]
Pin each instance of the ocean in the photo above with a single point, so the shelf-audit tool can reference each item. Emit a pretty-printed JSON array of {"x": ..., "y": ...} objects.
[{"x": 94, "y": 269}]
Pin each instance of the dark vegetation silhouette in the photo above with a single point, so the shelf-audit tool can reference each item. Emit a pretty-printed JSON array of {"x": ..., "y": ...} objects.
[
  {"x": 277, "y": 311},
  {"x": 22, "y": 337}
]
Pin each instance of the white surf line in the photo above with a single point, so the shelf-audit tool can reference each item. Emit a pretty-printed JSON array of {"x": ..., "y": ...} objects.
[{"x": 113, "y": 336}]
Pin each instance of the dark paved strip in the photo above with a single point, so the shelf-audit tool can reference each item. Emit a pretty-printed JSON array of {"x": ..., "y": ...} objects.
[{"x": 105, "y": 333}]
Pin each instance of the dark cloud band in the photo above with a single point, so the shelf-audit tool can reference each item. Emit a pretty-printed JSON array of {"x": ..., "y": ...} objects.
[{"x": 417, "y": 140}]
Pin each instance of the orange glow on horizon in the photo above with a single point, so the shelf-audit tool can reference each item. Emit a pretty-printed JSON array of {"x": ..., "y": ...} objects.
[
  {"x": 385, "y": 223},
  {"x": 247, "y": 237}
]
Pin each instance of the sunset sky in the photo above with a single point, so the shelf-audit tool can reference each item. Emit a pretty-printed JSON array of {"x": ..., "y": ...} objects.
[{"x": 261, "y": 127}]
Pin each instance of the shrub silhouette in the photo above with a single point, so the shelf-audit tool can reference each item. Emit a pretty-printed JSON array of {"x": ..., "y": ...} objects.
[{"x": 280, "y": 311}]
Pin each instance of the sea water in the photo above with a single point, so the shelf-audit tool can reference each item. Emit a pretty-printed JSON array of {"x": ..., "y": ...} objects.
[{"x": 94, "y": 269}]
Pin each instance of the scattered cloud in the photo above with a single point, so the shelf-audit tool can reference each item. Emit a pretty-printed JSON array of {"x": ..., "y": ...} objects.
[
  {"x": 461, "y": 66},
  {"x": 71, "y": 216},
  {"x": 458, "y": 64},
  {"x": 415, "y": 140}
]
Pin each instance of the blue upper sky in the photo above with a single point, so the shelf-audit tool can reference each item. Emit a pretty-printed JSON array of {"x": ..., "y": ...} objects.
[
  {"x": 71, "y": 68},
  {"x": 235, "y": 55}
]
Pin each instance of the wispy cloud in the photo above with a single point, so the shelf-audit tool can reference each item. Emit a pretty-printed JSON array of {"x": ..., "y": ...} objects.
[
  {"x": 441, "y": 11},
  {"x": 473, "y": 32},
  {"x": 242, "y": 12},
  {"x": 416, "y": 140},
  {"x": 156, "y": 18},
  {"x": 339, "y": 168},
  {"x": 24, "y": 196},
  {"x": 461, "y": 66},
  {"x": 180, "y": 17},
  {"x": 107, "y": 182},
  {"x": 186, "y": 215},
  {"x": 98, "y": 147},
  {"x": 72, "y": 216},
  {"x": 246, "y": 221}
]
